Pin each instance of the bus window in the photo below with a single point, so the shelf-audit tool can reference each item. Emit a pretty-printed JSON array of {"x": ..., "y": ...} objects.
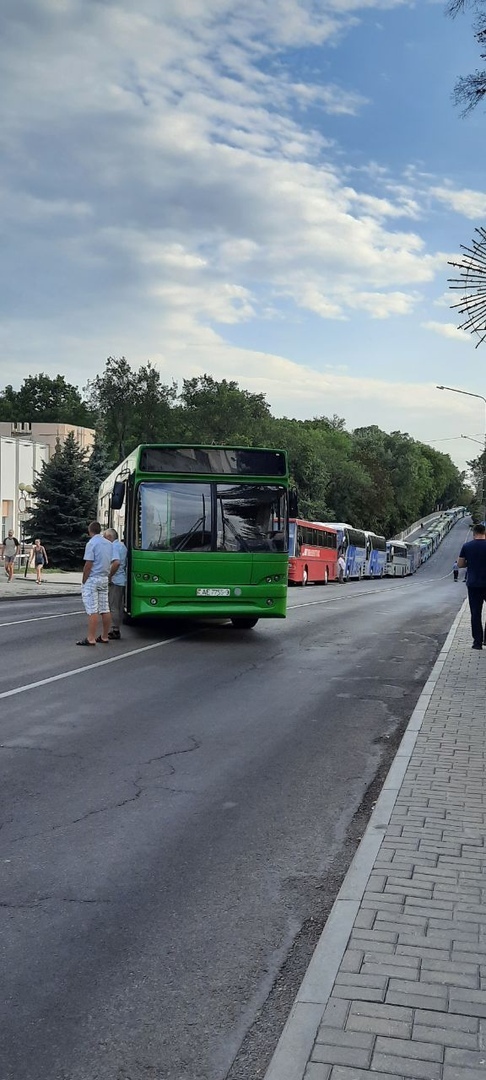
[
  {"x": 174, "y": 517},
  {"x": 247, "y": 514}
]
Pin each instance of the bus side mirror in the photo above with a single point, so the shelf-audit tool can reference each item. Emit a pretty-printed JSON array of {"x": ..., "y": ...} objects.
[
  {"x": 118, "y": 495},
  {"x": 293, "y": 503}
]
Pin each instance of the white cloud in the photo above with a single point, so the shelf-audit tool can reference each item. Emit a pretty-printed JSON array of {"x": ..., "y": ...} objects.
[
  {"x": 448, "y": 330},
  {"x": 163, "y": 176},
  {"x": 471, "y": 204}
]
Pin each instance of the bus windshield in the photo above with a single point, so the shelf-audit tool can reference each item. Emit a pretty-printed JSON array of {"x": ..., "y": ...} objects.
[{"x": 211, "y": 517}]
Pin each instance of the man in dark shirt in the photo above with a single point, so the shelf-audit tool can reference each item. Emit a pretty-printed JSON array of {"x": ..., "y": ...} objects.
[
  {"x": 10, "y": 549},
  {"x": 473, "y": 557}
]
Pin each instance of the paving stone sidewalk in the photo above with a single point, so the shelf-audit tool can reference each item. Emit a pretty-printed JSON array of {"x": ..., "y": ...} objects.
[
  {"x": 55, "y": 584},
  {"x": 407, "y": 992}
]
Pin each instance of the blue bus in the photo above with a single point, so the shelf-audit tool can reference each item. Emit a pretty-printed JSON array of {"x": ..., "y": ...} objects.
[
  {"x": 352, "y": 545},
  {"x": 375, "y": 555}
]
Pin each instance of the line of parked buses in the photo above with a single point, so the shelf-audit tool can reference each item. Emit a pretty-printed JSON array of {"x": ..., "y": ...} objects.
[{"x": 315, "y": 546}]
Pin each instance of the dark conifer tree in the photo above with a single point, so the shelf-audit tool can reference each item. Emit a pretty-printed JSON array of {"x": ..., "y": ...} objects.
[
  {"x": 99, "y": 465},
  {"x": 63, "y": 494}
]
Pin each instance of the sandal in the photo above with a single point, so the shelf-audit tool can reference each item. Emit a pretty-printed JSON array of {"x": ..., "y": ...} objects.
[
  {"x": 102, "y": 640},
  {"x": 86, "y": 642}
]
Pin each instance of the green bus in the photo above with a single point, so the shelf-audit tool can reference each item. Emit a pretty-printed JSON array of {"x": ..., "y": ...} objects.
[{"x": 206, "y": 529}]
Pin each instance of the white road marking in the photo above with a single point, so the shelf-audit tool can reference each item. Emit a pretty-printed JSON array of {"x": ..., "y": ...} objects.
[
  {"x": 41, "y": 618},
  {"x": 89, "y": 667},
  {"x": 407, "y": 581}
]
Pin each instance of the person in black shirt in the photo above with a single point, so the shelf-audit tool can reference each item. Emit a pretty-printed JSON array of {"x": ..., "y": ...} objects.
[
  {"x": 10, "y": 549},
  {"x": 473, "y": 557}
]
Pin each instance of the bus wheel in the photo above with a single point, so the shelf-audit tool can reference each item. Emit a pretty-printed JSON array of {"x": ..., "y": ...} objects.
[
  {"x": 305, "y": 576},
  {"x": 244, "y": 624}
]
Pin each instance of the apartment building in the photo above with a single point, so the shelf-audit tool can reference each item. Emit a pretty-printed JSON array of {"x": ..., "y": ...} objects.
[{"x": 23, "y": 448}]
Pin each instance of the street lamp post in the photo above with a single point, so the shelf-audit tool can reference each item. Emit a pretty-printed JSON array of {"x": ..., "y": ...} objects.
[{"x": 468, "y": 393}]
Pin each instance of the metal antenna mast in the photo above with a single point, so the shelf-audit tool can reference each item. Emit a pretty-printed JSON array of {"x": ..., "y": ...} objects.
[{"x": 472, "y": 283}]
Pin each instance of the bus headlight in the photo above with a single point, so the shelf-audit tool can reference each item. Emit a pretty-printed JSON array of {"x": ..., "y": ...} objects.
[
  {"x": 269, "y": 602},
  {"x": 155, "y": 577},
  {"x": 153, "y": 600},
  {"x": 268, "y": 579}
]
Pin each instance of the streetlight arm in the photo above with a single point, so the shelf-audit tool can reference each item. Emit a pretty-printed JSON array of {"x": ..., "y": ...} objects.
[{"x": 468, "y": 393}]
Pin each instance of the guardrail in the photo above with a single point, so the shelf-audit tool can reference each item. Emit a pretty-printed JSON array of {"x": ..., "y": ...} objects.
[{"x": 416, "y": 525}]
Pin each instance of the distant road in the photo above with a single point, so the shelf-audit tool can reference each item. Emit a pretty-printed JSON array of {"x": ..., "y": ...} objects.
[{"x": 170, "y": 819}]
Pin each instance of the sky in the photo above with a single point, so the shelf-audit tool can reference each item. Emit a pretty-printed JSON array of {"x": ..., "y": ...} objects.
[{"x": 268, "y": 192}]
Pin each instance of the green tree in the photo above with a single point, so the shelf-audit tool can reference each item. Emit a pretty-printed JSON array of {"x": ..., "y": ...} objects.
[
  {"x": 220, "y": 412},
  {"x": 152, "y": 412},
  {"x": 112, "y": 396},
  {"x": 41, "y": 398},
  {"x": 133, "y": 406},
  {"x": 63, "y": 494},
  {"x": 100, "y": 464}
]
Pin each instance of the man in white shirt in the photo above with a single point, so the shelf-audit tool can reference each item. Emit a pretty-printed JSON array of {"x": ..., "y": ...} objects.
[
  {"x": 341, "y": 568},
  {"x": 94, "y": 589}
]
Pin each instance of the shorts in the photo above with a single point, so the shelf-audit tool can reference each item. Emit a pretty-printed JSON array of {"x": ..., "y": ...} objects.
[
  {"x": 10, "y": 558},
  {"x": 95, "y": 595}
]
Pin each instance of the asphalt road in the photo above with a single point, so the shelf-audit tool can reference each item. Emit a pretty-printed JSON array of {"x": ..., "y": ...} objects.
[{"x": 174, "y": 807}]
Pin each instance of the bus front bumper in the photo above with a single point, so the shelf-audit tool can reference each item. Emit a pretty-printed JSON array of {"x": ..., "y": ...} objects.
[{"x": 189, "y": 601}]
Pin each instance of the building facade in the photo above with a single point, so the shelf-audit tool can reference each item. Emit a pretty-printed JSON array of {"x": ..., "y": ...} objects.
[
  {"x": 23, "y": 449},
  {"x": 47, "y": 433},
  {"x": 20, "y": 460}
]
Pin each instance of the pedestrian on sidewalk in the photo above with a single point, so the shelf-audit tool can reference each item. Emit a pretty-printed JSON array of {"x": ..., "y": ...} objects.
[
  {"x": 94, "y": 588},
  {"x": 455, "y": 570},
  {"x": 117, "y": 581},
  {"x": 38, "y": 558},
  {"x": 473, "y": 556},
  {"x": 10, "y": 549}
]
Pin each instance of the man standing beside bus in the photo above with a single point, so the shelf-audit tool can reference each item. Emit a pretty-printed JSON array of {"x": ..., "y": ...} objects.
[
  {"x": 473, "y": 557},
  {"x": 341, "y": 563},
  {"x": 117, "y": 581},
  {"x": 94, "y": 588}
]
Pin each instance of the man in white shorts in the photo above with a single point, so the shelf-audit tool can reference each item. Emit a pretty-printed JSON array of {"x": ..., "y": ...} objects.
[{"x": 94, "y": 590}]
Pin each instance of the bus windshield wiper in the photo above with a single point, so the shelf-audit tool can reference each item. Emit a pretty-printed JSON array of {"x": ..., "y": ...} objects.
[
  {"x": 187, "y": 536},
  {"x": 236, "y": 534}
]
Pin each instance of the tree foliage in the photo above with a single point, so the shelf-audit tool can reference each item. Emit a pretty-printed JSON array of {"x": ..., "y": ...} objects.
[
  {"x": 132, "y": 406},
  {"x": 41, "y": 398},
  {"x": 470, "y": 89},
  {"x": 64, "y": 496}
]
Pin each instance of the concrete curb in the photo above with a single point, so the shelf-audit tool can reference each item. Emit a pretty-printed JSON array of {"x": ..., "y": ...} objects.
[
  {"x": 297, "y": 1039},
  {"x": 75, "y": 590}
]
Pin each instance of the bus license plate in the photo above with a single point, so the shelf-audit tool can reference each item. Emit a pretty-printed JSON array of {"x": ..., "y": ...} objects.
[{"x": 213, "y": 592}]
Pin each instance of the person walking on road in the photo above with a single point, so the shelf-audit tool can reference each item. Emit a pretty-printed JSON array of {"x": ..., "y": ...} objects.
[
  {"x": 10, "y": 549},
  {"x": 341, "y": 563},
  {"x": 472, "y": 556},
  {"x": 117, "y": 580},
  {"x": 38, "y": 558},
  {"x": 455, "y": 570},
  {"x": 94, "y": 588}
]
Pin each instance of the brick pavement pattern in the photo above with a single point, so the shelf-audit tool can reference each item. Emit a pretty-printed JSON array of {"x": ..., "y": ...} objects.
[{"x": 409, "y": 999}]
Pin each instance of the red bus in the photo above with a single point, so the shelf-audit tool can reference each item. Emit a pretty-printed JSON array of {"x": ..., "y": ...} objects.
[{"x": 313, "y": 552}]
